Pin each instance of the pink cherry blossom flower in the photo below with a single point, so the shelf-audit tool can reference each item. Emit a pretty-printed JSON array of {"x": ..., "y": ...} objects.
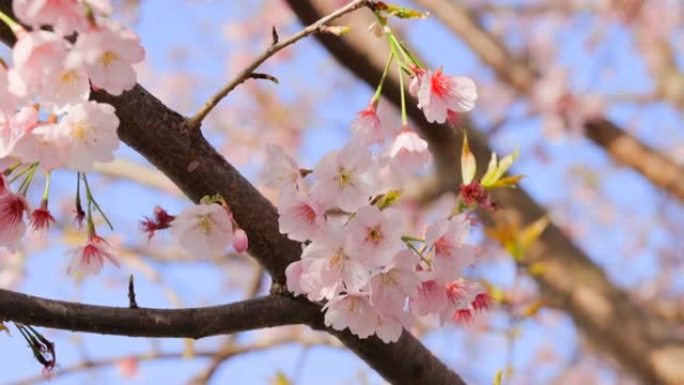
[
  {"x": 160, "y": 220},
  {"x": 281, "y": 170},
  {"x": 65, "y": 16},
  {"x": 343, "y": 178},
  {"x": 293, "y": 274},
  {"x": 366, "y": 126},
  {"x": 8, "y": 101},
  {"x": 374, "y": 235},
  {"x": 69, "y": 86},
  {"x": 430, "y": 298},
  {"x": 390, "y": 287},
  {"x": 38, "y": 58},
  {"x": 409, "y": 151},
  {"x": 438, "y": 94},
  {"x": 313, "y": 280},
  {"x": 390, "y": 327},
  {"x": 326, "y": 268},
  {"x": 474, "y": 194},
  {"x": 108, "y": 54},
  {"x": 89, "y": 258},
  {"x": 8, "y": 139},
  {"x": 12, "y": 225},
  {"x": 352, "y": 311},
  {"x": 203, "y": 230},
  {"x": 452, "y": 254},
  {"x": 459, "y": 295},
  {"x": 41, "y": 218},
  {"x": 90, "y": 129},
  {"x": 462, "y": 316},
  {"x": 46, "y": 144},
  {"x": 300, "y": 217},
  {"x": 240, "y": 241},
  {"x": 483, "y": 301},
  {"x": 15, "y": 129}
]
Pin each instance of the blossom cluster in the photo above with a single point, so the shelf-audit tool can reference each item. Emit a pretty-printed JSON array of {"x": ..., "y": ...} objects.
[
  {"x": 375, "y": 259},
  {"x": 365, "y": 253},
  {"x": 63, "y": 50},
  {"x": 45, "y": 112}
]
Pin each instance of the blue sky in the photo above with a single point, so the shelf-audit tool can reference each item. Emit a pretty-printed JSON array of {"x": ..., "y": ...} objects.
[{"x": 196, "y": 27}]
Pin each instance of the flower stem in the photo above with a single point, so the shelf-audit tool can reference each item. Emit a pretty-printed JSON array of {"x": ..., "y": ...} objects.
[{"x": 378, "y": 91}]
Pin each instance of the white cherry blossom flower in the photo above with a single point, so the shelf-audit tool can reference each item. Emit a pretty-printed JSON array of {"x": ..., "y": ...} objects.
[
  {"x": 203, "y": 230},
  {"x": 343, "y": 178}
]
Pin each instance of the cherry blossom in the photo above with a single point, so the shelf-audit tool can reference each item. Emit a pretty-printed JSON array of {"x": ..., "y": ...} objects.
[
  {"x": 352, "y": 311},
  {"x": 300, "y": 217},
  {"x": 240, "y": 241},
  {"x": 69, "y": 86},
  {"x": 390, "y": 327},
  {"x": 390, "y": 287},
  {"x": 326, "y": 266},
  {"x": 38, "y": 59},
  {"x": 430, "y": 298},
  {"x": 452, "y": 254},
  {"x": 108, "y": 54},
  {"x": 46, "y": 144},
  {"x": 343, "y": 178},
  {"x": 8, "y": 101},
  {"x": 41, "y": 218},
  {"x": 65, "y": 16},
  {"x": 89, "y": 258},
  {"x": 374, "y": 235},
  {"x": 12, "y": 225},
  {"x": 409, "y": 151},
  {"x": 282, "y": 169},
  {"x": 16, "y": 129},
  {"x": 438, "y": 94},
  {"x": 367, "y": 127},
  {"x": 90, "y": 129},
  {"x": 203, "y": 230},
  {"x": 160, "y": 220}
]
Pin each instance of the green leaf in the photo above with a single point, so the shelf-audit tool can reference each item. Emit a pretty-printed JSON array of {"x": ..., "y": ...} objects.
[
  {"x": 404, "y": 12},
  {"x": 468, "y": 165},
  {"x": 498, "y": 377},
  {"x": 281, "y": 379}
]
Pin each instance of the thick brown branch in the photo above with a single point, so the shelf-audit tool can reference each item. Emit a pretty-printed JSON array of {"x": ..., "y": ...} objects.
[
  {"x": 569, "y": 280},
  {"x": 165, "y": 139},
  {"x": 263, "y": 312},
  {"x": 656, "y": 167}
]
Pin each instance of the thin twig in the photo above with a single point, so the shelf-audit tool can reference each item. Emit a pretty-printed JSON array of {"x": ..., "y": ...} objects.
[
  {"x": 225, "y": 353},
  {"x": 196, "y": 120},
  {"x": 131, "y": 293},
  {"x": 274, "y": 36}
]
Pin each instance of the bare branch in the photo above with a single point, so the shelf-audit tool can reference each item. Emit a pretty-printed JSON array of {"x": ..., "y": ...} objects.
[
  {"x": 225, "y": 353},
  {"x": 251, "y": 314},
  {"x": 196, "y": 120}
]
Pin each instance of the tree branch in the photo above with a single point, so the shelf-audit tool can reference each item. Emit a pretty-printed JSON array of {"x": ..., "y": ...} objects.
[
  {"x": 263, "y": 312},
  {"x": 568, "y": 279},
  {"x": 657, "y": 168},
  {"x": 165, "y": 139},
  {"x": 277, "y": 45},
  {"x": 224, "y": 353}
]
